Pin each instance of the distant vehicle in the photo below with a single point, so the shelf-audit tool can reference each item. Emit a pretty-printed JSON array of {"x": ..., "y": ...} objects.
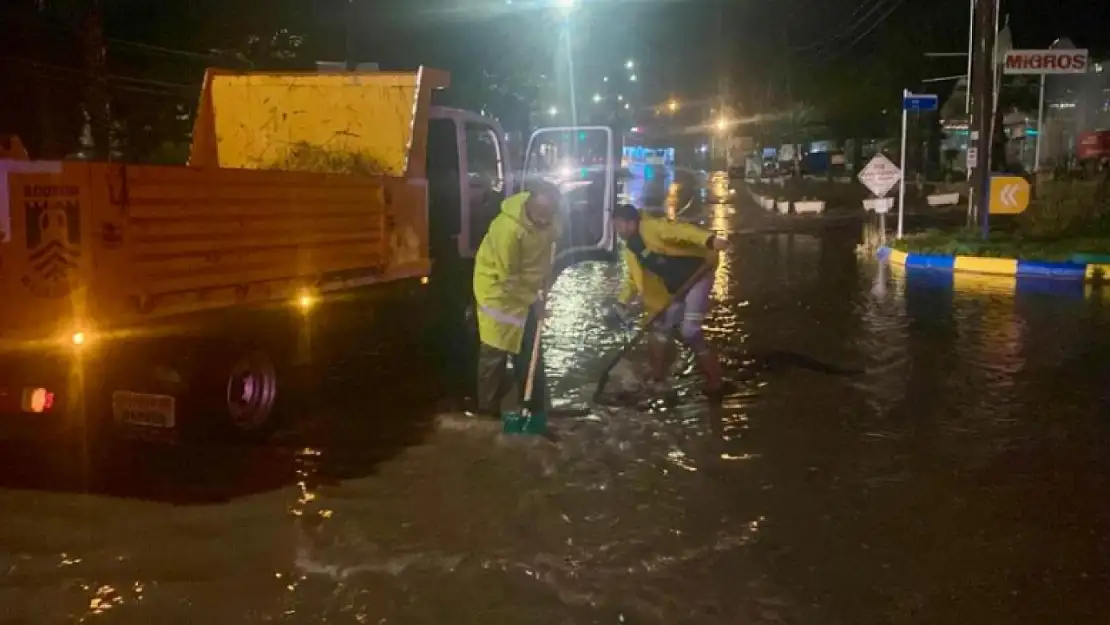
[
  {"x": 635, "y": 155},
  {"x": 817, "y": 163},
  {"x": 1093, "y": 146}
]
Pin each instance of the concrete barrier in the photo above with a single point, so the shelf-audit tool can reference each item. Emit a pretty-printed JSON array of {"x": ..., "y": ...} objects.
[
  {"x": 879, "y": 204},
  {"x": 783, "y": 206},
  {"x": 814, "y": 207},
  {"x": 1012, "y": 267},
  {"x": 943, "y": 199}
]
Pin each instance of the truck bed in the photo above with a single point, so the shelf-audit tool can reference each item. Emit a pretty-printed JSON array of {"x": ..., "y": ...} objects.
[{"x": 109, "y": 246}]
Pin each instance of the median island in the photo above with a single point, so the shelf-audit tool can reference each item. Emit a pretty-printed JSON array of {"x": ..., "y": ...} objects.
[
  {"x": 1065, "y": 233},
  {"x": 969, "y": 242}
]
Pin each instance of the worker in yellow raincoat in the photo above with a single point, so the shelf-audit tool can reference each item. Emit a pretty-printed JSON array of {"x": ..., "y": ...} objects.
[
  {"x": 512, "y": 269},
  {"x": 662, "y": 256}
]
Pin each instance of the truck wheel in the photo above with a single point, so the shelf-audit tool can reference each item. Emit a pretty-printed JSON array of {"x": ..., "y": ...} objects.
[{"x": 236, "y": 390}]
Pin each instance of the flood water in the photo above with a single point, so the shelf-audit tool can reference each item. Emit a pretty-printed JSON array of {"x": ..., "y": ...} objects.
[{"x": 964, "y": 477}]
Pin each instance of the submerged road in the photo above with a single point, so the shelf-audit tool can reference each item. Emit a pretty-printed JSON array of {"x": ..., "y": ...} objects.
[{"x": 964, "y": 477}]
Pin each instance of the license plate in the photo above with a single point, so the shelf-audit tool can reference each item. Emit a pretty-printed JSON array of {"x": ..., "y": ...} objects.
[{"x": 144, "y": 409}]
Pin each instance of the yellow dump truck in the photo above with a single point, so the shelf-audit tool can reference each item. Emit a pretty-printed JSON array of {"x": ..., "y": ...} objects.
[{"x": 299, "y": 187}]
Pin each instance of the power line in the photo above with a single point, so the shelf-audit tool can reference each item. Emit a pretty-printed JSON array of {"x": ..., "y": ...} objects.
[
  {"x": 853, "y": 23},
  {"x": 114, "y": 88},
  {"x": 123, "y": 43},
  {"x": 146, "y": 47},
  {"x": 48, "y": 67},
  {"x": 851, "y": 44}
]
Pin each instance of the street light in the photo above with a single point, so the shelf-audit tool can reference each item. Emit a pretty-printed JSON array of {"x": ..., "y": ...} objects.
[
  {"x": 722, "y": 124},
  {"x": 629, "y": 64},
  {"x": 632, "y": 77},
  {"x": 626, "y": 106},
  {"x": 620, "y": 98},
  {"x": 605, "y": 79},
  {"x": 553, "y": 111},
  {"x": 597, "y": 98},
  {"x": 672, "y": 105},
  {"x": 565, "y": 5}
]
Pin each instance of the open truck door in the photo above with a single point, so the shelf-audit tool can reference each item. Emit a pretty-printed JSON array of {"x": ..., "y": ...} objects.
[
  {"x": 583, "y": 161},
  {"x": 468, "y": 178}
]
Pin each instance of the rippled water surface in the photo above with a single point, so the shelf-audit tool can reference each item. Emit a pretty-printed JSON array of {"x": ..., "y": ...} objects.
[{"x": 962, "y": 478}]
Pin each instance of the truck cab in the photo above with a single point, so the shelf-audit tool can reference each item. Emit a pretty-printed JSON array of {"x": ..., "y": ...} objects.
[{"x": 469, "y": 175}]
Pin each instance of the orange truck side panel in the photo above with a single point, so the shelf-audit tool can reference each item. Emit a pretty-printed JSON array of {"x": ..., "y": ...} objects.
[
  {"x": 110, "y": 246},
  {"x": 103, "y": 246}
]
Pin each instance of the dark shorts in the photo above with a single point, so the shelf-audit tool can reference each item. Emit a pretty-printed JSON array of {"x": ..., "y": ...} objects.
[{"x": 495, "y": 381}]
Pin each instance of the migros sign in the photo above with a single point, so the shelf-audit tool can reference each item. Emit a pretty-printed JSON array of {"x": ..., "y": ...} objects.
[{"x": 1046, "y": 62}]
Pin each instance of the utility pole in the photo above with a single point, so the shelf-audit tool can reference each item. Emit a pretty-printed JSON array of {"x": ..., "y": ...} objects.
[
  {"x": 970, "y": 55},
  {"x": 983, "y": 69},
  {"x": 349, "y": 35}
]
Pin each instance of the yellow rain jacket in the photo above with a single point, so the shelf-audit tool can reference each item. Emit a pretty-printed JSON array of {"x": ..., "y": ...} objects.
[
  {"x": 668, "y": 238},
  {"x": 512, "y": 266}
]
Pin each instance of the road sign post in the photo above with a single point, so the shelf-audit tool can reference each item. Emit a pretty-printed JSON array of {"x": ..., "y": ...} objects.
[
  {"x": 982, "y": 87},
  {"x": 879, "y": 176},
  {"x": 916, "y": 102},
  {"x": 1009, "y": 195}
]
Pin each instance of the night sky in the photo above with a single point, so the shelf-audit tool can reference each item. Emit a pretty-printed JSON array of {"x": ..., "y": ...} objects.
[
  {"x": 774, "y": 52},
  {"x": 684, "y": 45}
]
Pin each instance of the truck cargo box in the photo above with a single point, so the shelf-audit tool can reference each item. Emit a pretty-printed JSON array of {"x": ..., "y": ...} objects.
[{"x": 110, "y": 246}]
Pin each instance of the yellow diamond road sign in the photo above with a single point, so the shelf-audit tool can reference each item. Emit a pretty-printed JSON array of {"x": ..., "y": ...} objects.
[{"x": 1009, "y": 195}]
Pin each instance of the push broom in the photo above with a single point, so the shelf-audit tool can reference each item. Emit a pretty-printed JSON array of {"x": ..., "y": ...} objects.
[{"x": 525, "y": 421}]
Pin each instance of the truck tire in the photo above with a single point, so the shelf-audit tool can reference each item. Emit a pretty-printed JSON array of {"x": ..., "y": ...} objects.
[{"x": 233, "y": 395}]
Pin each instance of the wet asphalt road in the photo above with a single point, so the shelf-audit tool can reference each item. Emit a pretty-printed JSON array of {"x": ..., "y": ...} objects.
[{"x": 963, "y": 478}]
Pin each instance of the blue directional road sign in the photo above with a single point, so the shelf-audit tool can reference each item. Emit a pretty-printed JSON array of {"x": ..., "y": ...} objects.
[{"x": 920, "y": 102}]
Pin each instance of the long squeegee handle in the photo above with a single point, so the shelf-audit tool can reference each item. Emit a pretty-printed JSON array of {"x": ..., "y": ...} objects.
[
  {"x": 603, "y": 379},
  {"x": 534, "y": 357}
]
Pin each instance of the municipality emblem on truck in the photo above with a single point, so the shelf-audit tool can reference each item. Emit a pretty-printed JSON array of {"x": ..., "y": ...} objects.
[{"x": 53, "y": 225}]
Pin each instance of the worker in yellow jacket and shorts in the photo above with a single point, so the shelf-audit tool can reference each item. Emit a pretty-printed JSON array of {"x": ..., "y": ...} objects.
[
  {"x": 512, "y": 269},
  {"x": 661, "y": 256}
]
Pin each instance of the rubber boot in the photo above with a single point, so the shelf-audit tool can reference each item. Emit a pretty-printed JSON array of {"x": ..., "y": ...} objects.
[
  {"x": 710, "y": 367},
  {"x": 661, "y": 356},
  {"x": 657, "y": 360}
]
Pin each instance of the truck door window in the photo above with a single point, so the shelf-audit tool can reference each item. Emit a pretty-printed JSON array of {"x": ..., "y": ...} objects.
[
  {"x": 579, "y": 160},
  {"x": 444, "y": 204},
  {"x": 485, "y": 178}
]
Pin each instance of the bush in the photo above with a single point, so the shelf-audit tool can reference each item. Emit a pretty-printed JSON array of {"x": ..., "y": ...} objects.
[
  {"x": 303, "y": 156},
  {"x": 1066, "y": 208},
  {"x": 836, "y": 195}
]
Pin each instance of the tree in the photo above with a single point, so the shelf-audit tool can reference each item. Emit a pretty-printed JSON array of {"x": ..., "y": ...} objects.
[
  {"x": 38, "y": 54},
  {"x": 1016, "y": 93},
  {"x": 857, "y": 77}
]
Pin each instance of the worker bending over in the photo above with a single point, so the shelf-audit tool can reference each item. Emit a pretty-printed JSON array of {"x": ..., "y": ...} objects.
[
  {"x": 662, "y": 256},
  {"x": 511, "y": 270}
]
